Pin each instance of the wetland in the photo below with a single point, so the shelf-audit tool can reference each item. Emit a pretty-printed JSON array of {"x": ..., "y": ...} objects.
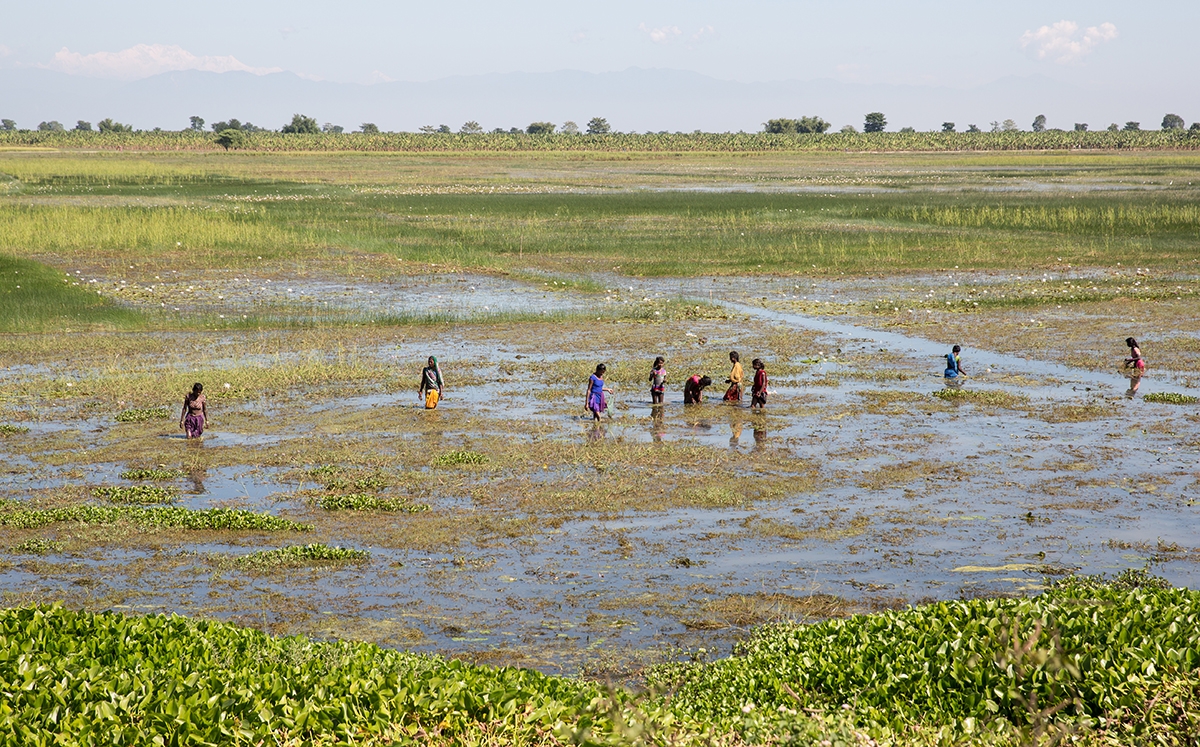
[{"x": 505, "y": 528}]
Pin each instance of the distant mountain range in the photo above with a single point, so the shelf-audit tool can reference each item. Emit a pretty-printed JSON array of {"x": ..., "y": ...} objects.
[{"x": 632, "y": 100}]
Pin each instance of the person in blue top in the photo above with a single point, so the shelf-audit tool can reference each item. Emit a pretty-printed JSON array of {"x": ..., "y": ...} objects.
[
  {"x": 954, "y": 365},
  {"x": 595, "y": 402}
]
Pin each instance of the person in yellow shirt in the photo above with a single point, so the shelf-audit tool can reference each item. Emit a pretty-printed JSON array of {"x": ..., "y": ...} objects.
[{"x": 734, "y": 392}]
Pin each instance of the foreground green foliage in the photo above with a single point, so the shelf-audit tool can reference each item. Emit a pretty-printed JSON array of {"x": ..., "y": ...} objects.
[
  {"x": 37, "y": 546},
  {"x": 1171, "y": 398},
  {"x": 137, "y": 494},
  {"x": 74, "y": 678},
  {"x": 7, "y": 429},
  {"x": 296, "y": 556},
  {"x": 157, "y": 517},
  {"x": 142, "y": 414},
  {"x": 1083, "y": 652},
  {"x": 368, "y": 502}
]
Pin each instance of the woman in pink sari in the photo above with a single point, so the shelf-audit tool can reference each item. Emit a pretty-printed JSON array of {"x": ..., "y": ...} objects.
[{"x": 194, "y": 412}]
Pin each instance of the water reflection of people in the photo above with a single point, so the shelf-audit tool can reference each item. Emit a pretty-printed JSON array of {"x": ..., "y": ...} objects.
[
  {"x": 658, "y": 425},
  {"x": 597, "y": 432},
  {"x": 735, "y": 435},
  {"x": 197, "y": 476},
  {"x": 760, "y": 435}
]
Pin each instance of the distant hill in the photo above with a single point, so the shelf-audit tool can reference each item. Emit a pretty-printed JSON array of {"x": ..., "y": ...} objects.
[{"x": 634, "y": 99}]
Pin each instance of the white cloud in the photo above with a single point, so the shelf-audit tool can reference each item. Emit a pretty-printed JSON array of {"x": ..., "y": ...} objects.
[
  {"x": 5, "y": 51},
  {"x": 1063, "y": 43},
  {"x": 661, "y": 35},
  {"x": 705, "y": 33},
  {"x": 144, "y": 60}
]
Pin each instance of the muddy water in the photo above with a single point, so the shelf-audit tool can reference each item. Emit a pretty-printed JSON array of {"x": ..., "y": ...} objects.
[{"x": 914, "y": 499}]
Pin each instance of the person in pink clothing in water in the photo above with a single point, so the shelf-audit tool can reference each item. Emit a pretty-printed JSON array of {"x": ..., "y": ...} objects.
[{"x": 194, "y": 412}]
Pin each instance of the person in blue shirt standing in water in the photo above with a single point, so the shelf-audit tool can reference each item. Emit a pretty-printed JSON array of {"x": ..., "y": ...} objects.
[{"x": 954, "y": 367}]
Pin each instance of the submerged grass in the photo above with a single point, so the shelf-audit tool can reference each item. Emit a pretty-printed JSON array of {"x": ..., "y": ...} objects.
[{"x": 296, "y": 556}]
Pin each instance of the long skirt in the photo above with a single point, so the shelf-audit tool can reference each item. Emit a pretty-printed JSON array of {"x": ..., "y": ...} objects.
[
  {"x": 431, "y": 398},
  {"x": 193, "y": 425},
  {"x": 596, "y": 403}
]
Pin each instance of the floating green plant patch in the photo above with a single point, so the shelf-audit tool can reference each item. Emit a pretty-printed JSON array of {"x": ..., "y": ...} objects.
[
  {"x": 301, "y": 555},
  {"x": 157, "y": 517},
  {"x": 137, "y": 494},
  {"x": 368, "y": 502},
  {"x": 990, "y": 397},
  {"x": 152, "y": 474},
  {"x": 38, "y": 546},
  {"x": 12, "y": 430},
  {"x": 142, "y": 414},
  {"x": 1171, "y": 398},
  {"x": 455, "y": 458}
]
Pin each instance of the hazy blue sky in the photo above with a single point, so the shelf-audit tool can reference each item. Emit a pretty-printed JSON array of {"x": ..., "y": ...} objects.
[{"x": 1103, "y": 45}]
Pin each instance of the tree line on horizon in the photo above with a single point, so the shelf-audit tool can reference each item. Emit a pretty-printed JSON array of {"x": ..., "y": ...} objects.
[{"x": 231, "y": 133}]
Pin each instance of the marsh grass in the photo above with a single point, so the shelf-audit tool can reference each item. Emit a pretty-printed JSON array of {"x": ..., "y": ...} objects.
[
  {"x": 1170, "y": 398},
  {"x": 368, "y": 502},
  {"x": 983, "y": 397},
  {"x": 153, "y": 473},
  {"x": 296, "y": 556},
  {"x": 140, "y": 494},
  {"x": 142, "y": 414},
  {"x": 8, "y": 429},
  {"x": 1076, "y": 413},
  {"x": 834, "y": 530},
  {"x": 34, "y": 297},
  {"x": 165, "y": 517}
]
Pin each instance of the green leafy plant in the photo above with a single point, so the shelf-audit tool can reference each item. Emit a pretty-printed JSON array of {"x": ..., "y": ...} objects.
[
  {"x": 990, "y": 397},
  {"x": 38, "y": 546},
  {"x": 12, "y": 430},
  {"x": 159, "y": 473},
  {"x": 1171, "y": 398},
  {"x": 368, "y": 502},
  {"x": 137, "y": 494},
  {"x": 157, "y": 517},
  {"x": 142, "y": 414},
  {"x": 455, "y": 458}
]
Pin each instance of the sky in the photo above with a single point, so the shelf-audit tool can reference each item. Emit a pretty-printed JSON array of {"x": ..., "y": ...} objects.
[{"x": 1101, "y": 44}]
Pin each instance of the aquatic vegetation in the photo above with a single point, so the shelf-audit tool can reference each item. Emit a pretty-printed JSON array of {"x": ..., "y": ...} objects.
[
  {"x": 368, "y": 502},
  {"x": 989, "y": 397},
  {"x": 137, "y": 494},
  {"x": 38, "y": 546},
  {"x": 457, "y": 458},
  {"x": 7, "y": 429},
  {"x": 294, "y": 556},
  {"x": 157, "y": 473},
  {"x": 1091, "y": 647},
  {"x": 195, "y": 681},
  {"x": 157, "y": 517},
  {"x": 1170, "y": 398},
  {"x": 142, "y": 414}
]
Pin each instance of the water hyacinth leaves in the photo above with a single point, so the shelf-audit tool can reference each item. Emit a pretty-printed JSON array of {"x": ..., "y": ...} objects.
[
  {"x": 1095, "y": 647},
  {"x": 459, "y": 458},
  {"x": 170, "y": 680},
  {"x": 368, "y": 502},
  {"x": 313, "y": 555},
  {"x": 1170, "y": 398},
  {"x": 137, "y": 494},
  {"x": 158, "y": 517},
  {"x": 141, "y": 415}
]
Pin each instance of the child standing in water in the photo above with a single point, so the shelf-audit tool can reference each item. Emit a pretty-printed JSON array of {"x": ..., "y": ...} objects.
[
  {"x": 595, "y": 401},
  {"x": 734, "y": 392},
  {"x": 194, "y": 412},
  {"x": 1136, "y": 363},
  {"x": 758, "y": 390},
  {"x": 431, "y": 384},
  {"x": 658, "y": 381}
]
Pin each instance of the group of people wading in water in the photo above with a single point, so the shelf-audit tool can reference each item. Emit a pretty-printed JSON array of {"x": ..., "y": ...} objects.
[
  {"x": 194, "y": 415},
  {"x": 596, "y": 402}
]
